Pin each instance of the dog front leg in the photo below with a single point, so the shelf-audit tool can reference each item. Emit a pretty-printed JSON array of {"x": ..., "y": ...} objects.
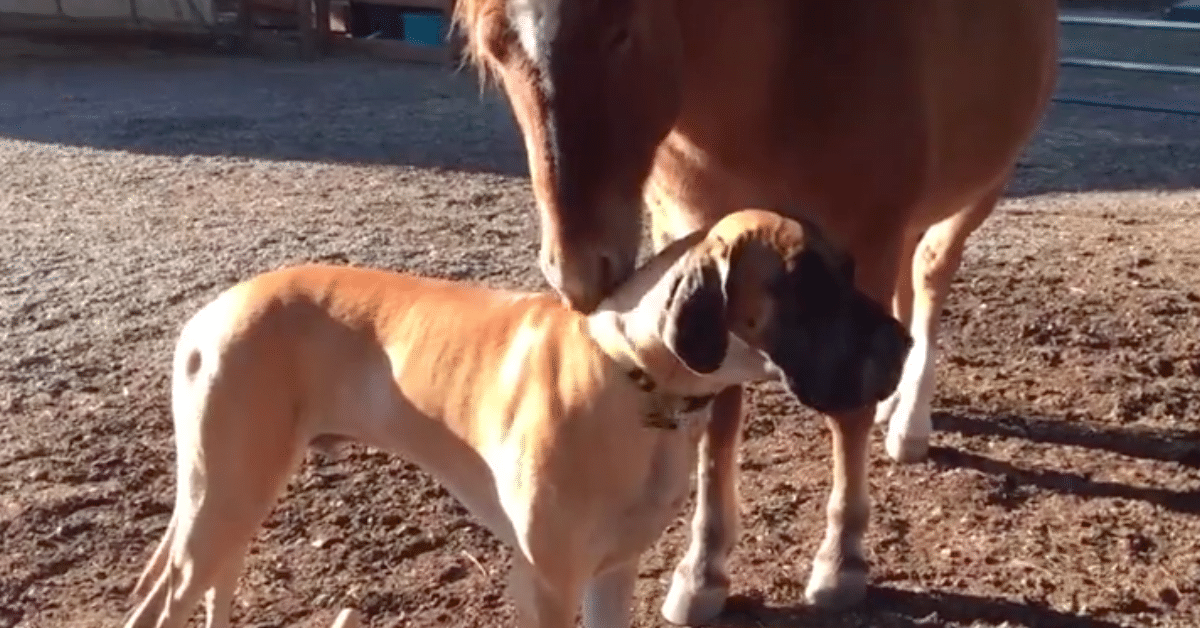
[
  {"x": 700, "y": 584},
  {"x": 608, "y": 600}
]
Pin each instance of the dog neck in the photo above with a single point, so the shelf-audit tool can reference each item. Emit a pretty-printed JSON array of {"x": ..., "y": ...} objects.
[
  {"x": 672, "y": 389},
  {"x": 626, "y": 328}
]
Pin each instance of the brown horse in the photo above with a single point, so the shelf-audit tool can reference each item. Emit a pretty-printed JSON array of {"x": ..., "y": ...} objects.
[{"x": 894, "y": 124}]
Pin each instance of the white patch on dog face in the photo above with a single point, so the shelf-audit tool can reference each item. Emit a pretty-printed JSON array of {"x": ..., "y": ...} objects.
[
  {"x": 536, "y": 23},
  {"x": 742, "y": 364}
]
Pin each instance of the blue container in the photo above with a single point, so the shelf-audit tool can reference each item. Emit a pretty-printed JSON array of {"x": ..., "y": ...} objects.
[{"x": 425, "y": 29}]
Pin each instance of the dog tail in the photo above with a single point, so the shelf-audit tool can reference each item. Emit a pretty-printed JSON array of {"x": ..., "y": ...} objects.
[{"x": 157, "y": 563}]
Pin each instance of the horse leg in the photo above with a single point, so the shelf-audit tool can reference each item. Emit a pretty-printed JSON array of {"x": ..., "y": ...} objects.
[
  {"x": 700, "y": 583},
  {"x": 934, "y": 264},
  {"x": 902, "y": 301},
  {"x": 839, "y": 570}
]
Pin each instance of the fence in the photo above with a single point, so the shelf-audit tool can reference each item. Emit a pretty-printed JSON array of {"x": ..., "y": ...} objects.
[{"x": 1129, "y": 66}]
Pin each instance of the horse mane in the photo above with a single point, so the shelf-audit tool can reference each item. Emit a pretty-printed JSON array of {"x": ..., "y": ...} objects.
[{"x": 465, "y": 17}]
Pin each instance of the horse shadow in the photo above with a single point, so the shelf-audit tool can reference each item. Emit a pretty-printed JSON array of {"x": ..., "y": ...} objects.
[
  {"x": 896, "y": 608},
  {"x": 1177, "y": 446},
  {"x": 1180, "y": 446},
  {"x": 353, "y": 110},
  {"x": 887, "y": 607}
]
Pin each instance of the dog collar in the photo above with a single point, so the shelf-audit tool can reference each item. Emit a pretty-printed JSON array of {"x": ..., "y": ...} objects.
[{"x": 662, "y": 415}]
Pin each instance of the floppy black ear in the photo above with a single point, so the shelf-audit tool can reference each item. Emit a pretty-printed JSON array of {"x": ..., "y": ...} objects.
[{"x": 694, "y": 326}]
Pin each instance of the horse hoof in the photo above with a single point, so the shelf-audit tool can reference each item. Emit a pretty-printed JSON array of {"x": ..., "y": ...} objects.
[
  {"x": 830, "y": 589},
  {"x": 908, "y": 450},
  {"x": 689, "y": 605}
]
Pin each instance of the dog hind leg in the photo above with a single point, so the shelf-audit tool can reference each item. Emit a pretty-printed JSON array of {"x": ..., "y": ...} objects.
[
  {"x": 236, "y": 445},
  {"x": 218, "y": 600},
  {"x": 158, "y": 562},
  {"x": 205, "y": 557}
]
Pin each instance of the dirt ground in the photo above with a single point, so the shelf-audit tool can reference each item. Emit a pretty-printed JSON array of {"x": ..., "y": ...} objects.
[{"x": 1063, "y": 488}]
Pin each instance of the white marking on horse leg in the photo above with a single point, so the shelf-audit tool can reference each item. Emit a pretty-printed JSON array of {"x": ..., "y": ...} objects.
[
  {"x": 909, "y": 407},
  {"x": 536, "y": 23},
  {"x": 910, "y": 425},
  {"x": 902, "y": 305},
  {"x": 934, "y": 264}
]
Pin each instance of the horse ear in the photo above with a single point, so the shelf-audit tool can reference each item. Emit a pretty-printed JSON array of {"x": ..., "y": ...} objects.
[{"x": 694, "y": 326}]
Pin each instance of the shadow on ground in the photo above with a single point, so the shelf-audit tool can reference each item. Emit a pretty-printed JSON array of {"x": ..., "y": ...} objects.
[
  {"x": 1177, "y": 446},
  {"x": 354, "y": 110},
  {"x": 895, "y": 608},
  {"x": 337, "y": 110}
]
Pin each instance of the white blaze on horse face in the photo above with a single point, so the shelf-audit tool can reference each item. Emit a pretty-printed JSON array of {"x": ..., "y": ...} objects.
[{"x": 536, "y": 24}]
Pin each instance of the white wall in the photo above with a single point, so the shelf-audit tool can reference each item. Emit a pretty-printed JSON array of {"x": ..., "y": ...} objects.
[{"x": 156, "y": 10}]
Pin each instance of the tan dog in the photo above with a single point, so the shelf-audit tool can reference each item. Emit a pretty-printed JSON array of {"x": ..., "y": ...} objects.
[{"x": 571, "y": 437}]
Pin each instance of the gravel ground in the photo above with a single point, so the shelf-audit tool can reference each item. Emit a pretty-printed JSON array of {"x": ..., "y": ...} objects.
[{"x": 1063, "y": 488}]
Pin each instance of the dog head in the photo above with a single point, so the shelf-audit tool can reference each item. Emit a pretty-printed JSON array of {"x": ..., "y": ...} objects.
[{"x": 759, "y": 288}]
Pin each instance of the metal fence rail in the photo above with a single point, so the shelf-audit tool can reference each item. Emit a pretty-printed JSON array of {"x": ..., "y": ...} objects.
[
  {"x": 1129, "y": 66},
  {"x": 1166, "y": 25}
]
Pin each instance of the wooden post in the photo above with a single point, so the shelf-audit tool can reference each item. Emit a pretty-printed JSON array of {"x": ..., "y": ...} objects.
[
  {"x": 304, "y": 12},
  {"x": 323, "y": 17},
  {"x": 245, "y": 24}
]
